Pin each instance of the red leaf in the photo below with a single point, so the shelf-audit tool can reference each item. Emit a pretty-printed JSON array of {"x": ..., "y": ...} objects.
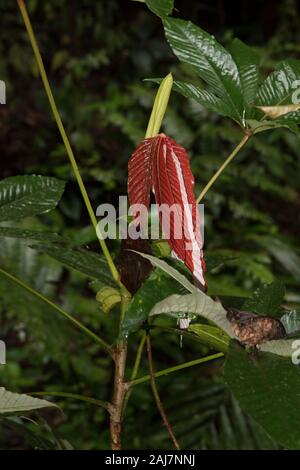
[
  {"x": 161, "y": 162},
  {"x": 140, "y": 173},
  {"x": 173, "y": 183}
]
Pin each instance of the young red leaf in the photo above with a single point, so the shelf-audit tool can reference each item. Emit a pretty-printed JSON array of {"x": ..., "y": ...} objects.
[
  {"x": 162, "y": 163},
  {"x": 140, "y": 173},
  {"x": 173, "y": 183}
]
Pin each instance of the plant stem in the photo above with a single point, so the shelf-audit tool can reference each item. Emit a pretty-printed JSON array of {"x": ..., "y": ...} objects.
[
  {"x": 138, "y": 356},
  {"x": 170, "y": 370},
  {"x": 136, "y": 367},
  {"x": 72, "y": 396},
  {"x": 62, "y": 312},
  {"x": 158, "y": 401},
  {"x": 223, "y": 166},
  {"x": 115, "y": 408},
  {"x": 64, "y": 137}
]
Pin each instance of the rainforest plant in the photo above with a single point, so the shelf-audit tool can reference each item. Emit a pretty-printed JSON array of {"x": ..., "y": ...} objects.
[{"x": 255, "y": 336}]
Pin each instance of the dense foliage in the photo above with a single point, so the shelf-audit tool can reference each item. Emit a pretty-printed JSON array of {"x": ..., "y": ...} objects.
[{"x": 251, "y": 221}]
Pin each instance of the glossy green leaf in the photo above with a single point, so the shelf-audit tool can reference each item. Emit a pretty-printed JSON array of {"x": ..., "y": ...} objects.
[
  {"x": 23, "y": 196},
  {"x": 164, "y": 266},
  {"x": 246, "y": 60},
  {"x": 194, "y": 304},
  {"x": 211, "y": 61},
  {"x": 154, "y": 289},
  {"x": 206, "y": 98},
  {"x": 268, "y": 388},
  {"x": 14, "y": 403},
  {"x": 281, "y": 86}
]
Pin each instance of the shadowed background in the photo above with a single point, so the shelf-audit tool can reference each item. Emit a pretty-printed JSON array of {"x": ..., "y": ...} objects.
[{"x": 97, "y": 55}]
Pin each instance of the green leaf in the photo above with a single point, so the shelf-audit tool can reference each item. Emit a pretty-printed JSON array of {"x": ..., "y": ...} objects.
[
  {"x": 266, "y": 300},
  {"x": 84, "y": 261},
  {"x": 195, "y": 304},
  {"x": 264, "y": 125},
  {"x": 280, "y": 85},
  {"x": 211, "y": 336},
  {"x": 206, "y": 98},
  {"x": 14, "y": 403},
  {"x": 246, "y": 60},
  {"x": 268, "y": 388},
  {"x": 23, "y": 196},
  {"x": 161, "y": 8},
  {"x": 164, "y": 266},
  {"x": 11, "y": 232},
  {"x": 212, "y": 62},
  {"x": 154, "y": 289}
]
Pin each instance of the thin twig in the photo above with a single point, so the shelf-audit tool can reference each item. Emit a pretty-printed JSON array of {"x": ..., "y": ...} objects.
[
  {"x": 223, "y": 166},
  {"x": 64, "y": 137},
  {"x": 170, "y": 370},
  {"x": 136, "y": 367},
  {"x": 156, "y": 395}
]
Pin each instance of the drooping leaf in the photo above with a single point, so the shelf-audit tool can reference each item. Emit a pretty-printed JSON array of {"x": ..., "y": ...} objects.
[
  {"x": 211, "y": 336},
  {"x": 14, "y": 403},
  {"x": 164, "y": 266},
  {"x": 23, "y": 196},
  {"x": 210, "y": 60},
  {"x": 154, "y": 289},
  {"x": 267, "y": 387},
  {"x": 194, "y": 304}
]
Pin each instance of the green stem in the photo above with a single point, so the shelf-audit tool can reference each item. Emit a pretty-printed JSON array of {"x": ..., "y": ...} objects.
[
  {"x": 62, "y": 312},
  {"x": 170, "y": 370},
  {"x": 64, "y": 137},
  {"x": 138, "y": 358},
  {"x": 223, "y": 166},
  {"x": 73, "y": 396},
  {"x": 136, "y": 367}
]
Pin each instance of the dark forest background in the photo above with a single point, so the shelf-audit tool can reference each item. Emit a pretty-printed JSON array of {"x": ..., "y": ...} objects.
[{"x": 97, "y": 55}]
